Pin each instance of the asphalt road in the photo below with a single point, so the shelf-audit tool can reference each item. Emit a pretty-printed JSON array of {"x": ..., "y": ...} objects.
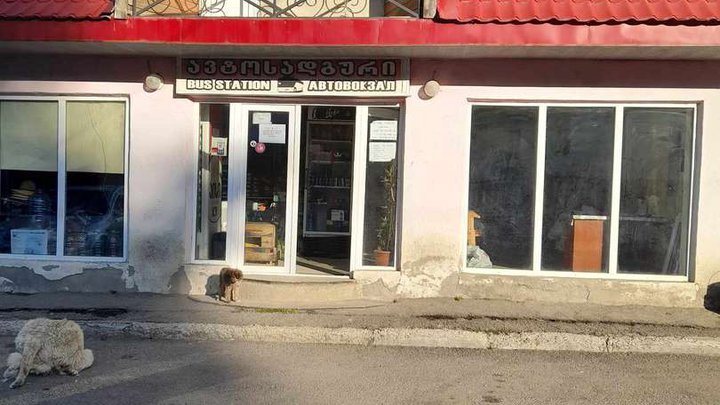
[{"x": 174, "y": 372}]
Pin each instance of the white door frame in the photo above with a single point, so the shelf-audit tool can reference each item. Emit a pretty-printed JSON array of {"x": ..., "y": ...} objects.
[
  {"x": 357, "y": 186},
  {"x": 237, "y": 185},
  {"x": 239, "y": 122},
  {"x": 357, "y": 215}
]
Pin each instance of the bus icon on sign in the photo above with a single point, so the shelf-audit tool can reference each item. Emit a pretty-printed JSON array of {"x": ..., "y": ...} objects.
[{"x": 290, "y": 86}]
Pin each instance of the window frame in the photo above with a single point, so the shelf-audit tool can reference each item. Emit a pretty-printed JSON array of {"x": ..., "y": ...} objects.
[
  {"x": 541, "y": 134},
  {"x": 61, "y": 178}
]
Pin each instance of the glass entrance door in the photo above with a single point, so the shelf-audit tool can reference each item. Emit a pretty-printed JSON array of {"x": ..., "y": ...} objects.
[
  {"x": 267, "y": 160},
  {"x": 296, "y": 189}
]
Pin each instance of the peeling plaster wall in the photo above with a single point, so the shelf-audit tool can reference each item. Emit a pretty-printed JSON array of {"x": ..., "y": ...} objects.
[
  {"x": 80, "y": 277},
  {"x": 161, "y": 133},
  {"x": 575, "y": 290}
]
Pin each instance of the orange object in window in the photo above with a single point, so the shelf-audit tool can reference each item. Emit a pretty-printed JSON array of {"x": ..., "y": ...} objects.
[
  {"x": 472, "y": 233},
  {"x": 586, "y": 244}
]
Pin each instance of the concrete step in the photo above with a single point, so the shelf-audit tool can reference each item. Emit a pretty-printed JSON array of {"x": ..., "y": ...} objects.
[
  {"x": 277, "y": 290},
  {"x": 287, "y": 289}
]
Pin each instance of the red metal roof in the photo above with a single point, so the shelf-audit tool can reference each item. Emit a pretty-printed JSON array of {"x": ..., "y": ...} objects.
[
  {"x": 55, "y": 9},
  {"x": 580, "y": 10}
]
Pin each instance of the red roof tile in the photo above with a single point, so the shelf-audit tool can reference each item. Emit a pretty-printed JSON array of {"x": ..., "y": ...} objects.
[
  {"x": 580, "y": 10},
  {"x": 55, "y": 9}
]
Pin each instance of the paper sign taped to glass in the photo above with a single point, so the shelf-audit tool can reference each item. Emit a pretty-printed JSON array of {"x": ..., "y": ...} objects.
[
  {"x": 272, "y": 133},
  {"x": 261, "y": 118},
  {"x": 29, "y": 241},
  {"x": 381, "y": 151},
  {"x": 383, "y": 130}
]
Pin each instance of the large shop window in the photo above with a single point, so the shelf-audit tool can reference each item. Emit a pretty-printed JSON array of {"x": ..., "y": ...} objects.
[
  {"x": 62, "y": 177},
  {"x": 603, "y": 189}
]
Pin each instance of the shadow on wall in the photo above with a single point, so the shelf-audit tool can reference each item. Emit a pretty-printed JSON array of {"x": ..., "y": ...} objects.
[
  {"x": 179, "y": 283},
  {"x": 212, "y": 285},
  {"x": 712, "y": 298},
  {"x": 559, "y": 73},
  {"x": 80, "y": 68}
]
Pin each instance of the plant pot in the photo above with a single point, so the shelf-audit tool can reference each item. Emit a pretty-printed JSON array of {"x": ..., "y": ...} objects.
[{"x": 382, "y": 257}]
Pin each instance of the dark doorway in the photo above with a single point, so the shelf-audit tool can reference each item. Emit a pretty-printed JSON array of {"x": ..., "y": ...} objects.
[{"x": 326, "y": 175}]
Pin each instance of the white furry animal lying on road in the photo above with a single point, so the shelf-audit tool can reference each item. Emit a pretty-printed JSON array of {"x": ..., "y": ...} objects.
[{"x": 45, "y": 345}]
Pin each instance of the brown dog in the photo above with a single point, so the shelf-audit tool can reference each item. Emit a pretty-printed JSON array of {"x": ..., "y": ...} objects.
[{"x": 229, "y": 282}]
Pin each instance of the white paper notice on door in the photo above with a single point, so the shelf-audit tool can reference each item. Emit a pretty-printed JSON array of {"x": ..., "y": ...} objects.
[
  {"x": 381, "y": 151},
  {"x": 272, "y": 133},
  {"x": 383, "y": 130},
  {"x": 261, "y": 118}
]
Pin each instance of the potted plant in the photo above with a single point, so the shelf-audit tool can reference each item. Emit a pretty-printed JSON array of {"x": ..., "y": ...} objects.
[{"x": 386, "y": 227}]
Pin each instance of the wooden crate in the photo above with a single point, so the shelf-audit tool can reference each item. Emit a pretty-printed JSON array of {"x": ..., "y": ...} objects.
[{"x": 264, "y": 250}]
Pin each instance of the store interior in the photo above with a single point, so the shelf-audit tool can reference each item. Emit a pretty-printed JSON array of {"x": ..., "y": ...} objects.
[{"x": 326, "y": 174}]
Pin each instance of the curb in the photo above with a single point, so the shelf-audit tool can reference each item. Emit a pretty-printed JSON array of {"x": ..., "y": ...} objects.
[{"x": 408, "y": 337}]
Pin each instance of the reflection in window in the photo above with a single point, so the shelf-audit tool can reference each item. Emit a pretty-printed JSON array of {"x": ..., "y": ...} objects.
[
  {"x": 94, "y": 159},
  {"x": 654, "y": 196},
  {"x": 28, "y": 177},
  {"x": 502, "y": 186},
  {"x": 578, "y": 176},
  {"x": 655, "y": 190},
  {"x": 95, "y": 178},
  {"x": 381, "y": 187},
  {"x": 212, "y": 191}
]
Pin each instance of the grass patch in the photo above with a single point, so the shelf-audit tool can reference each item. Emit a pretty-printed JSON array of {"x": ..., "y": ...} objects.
[{"x": 277, "y": 310}]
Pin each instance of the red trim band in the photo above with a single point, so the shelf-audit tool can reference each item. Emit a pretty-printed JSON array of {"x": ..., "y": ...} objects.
[{"x": 352, "y": 32}]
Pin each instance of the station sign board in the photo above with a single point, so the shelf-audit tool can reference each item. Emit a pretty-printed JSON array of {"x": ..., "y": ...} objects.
[{"x": 293, "y": 77}]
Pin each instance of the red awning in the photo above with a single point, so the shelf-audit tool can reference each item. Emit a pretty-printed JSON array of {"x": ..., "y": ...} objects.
[
  {"x": 580, "y": 10},
  {"x": 55, "y": 9}
]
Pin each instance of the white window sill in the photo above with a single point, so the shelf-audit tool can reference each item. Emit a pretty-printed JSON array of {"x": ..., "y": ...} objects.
[{"x": 572, "y": 274}]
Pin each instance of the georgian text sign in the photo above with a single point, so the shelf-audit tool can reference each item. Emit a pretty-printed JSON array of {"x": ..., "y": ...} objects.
[{"x": 293, "y": 77}]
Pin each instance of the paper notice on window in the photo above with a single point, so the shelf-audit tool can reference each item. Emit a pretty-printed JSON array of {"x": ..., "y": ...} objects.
[
  {"x": 272, "y": 133},
  {"x": 383, "y": 130},
  {"x": 261, "y": 118},
  {"x": 381, "y": 151},
  {"x": 28, "y": 242}
]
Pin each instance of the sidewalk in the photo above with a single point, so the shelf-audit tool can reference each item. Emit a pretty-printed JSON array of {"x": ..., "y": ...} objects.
[{"x": 437, "y": 322}]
